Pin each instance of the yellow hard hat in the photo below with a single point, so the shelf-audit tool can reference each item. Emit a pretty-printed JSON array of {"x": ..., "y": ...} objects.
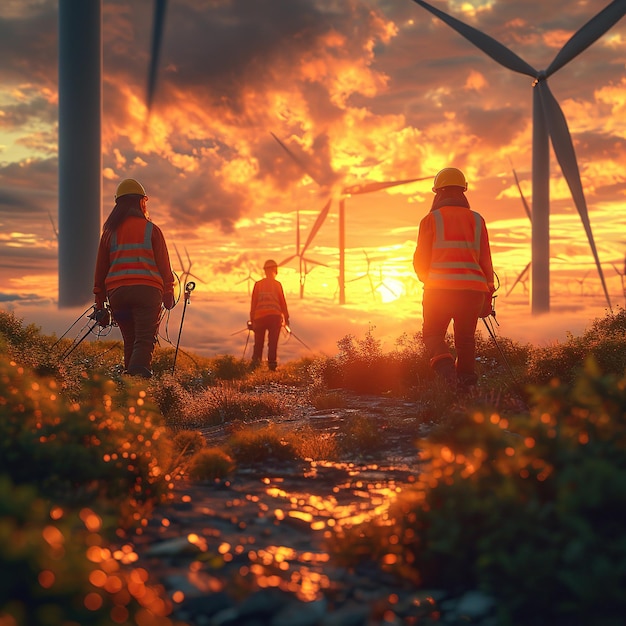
[
  {"x": 269, "y": 264},
  {"x": 449, "y": 177},
  {"x": 129, "y": 186}
]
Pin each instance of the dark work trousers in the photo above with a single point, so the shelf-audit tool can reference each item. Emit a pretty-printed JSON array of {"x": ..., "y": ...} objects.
[
  {"x": 270, "y": 324},
  {"x": 440, "y": 307},
  {"x": 136, "y": 310}
]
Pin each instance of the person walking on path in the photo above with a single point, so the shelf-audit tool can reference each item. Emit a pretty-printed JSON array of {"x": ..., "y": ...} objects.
[
  {"x": 453, "y": 260},
  {"x": 133, "y": 271},
  {"x": 268, "y": 311}
]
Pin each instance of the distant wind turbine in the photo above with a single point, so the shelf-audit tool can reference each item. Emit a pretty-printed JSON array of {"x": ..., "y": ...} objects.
[
  {"x": 185, "y": 271},
  {"x": 345, "y": 192},
  {"x": 523, "y": 275},
  {"x": 548, "y": 123},
  {"x": 304, "y": 261}
]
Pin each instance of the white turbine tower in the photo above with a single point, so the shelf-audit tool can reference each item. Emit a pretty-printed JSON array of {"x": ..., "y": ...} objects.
[{"x": 548, "y": 123}]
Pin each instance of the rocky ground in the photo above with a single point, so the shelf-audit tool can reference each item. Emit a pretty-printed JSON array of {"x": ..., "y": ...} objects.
[{"x": 253, "y": 551}]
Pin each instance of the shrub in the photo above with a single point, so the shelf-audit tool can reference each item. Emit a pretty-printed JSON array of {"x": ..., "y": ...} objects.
[
  {"x": 309, "y": 443},
  {"x": 324, "y": 400},
  {"x": 188, "y": 442},
  {"x": 362, "y": 367},
  {"x": 55, "y": 569},
  {"x": 529, "y": 509},
  {"x": 110, "y": 445},
  {"x": 225, "y": 402},
  {"x": 261, "y": 444},
  {"x": 210, "y": 464},
  {"x": 604, "y": 340},
  {"x": 360, "y": 434}
]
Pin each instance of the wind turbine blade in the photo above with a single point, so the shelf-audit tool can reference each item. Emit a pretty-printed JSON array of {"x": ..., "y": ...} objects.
[
  {"x": 305, "y": 169},
  {"x": 180, "y": 260},
  {"x": 158, "y": 26},
  {"x": 521, "y": 193},
  {"x": 287, "y": 260},
  {"x": 360, "y": 188},
  {"x": 487, "y": 44},
  {"x": 588, "y": 34},
  {"x": 317, "y": 225},
  {"x": 298, "y": 231},
  {"x": 566, "y": 156},
  {"x": 519, "y": 279},
  {"x": 314, "y": 262}
]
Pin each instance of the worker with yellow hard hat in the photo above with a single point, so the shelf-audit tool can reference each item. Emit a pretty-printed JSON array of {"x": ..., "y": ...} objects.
[
  {"x": 453, "y": 260},
  {"x": 268, "y": 312},
  {"x": 133, "y": 272}
]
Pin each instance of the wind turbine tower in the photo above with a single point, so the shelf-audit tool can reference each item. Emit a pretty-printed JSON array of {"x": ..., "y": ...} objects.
[{"x": 80, "y": 154}]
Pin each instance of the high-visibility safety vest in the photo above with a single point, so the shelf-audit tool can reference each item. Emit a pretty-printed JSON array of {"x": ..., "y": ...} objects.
[
  {"x": 131, "y": 256},
  {"x": 459, "y": 257},
  {"x": 268, "y": 298}
]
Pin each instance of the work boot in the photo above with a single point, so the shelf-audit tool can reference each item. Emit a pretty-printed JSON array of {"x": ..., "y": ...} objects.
[
  {"x": 272, "y": 365},
  {"x": 443, "y": 365},
  {"x": 143, "y": 372}
]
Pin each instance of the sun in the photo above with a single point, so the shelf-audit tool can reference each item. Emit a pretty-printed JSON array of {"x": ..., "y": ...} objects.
[{"x": 390, "y": 290}]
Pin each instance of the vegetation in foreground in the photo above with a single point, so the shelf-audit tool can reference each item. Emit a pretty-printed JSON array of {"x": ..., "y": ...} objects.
[{"x": 522, "y": 493}]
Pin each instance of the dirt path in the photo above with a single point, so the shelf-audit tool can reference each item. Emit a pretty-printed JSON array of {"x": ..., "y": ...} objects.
[{"x": 254, "y": 550}]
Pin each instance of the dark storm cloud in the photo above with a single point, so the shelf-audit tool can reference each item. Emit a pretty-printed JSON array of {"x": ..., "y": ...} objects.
[
  {"x": 31, "y": 183},
  {"x": 28, "y": 44},
  {"x": 494, "y": 128},
  {"x": 429, "y": 53},
  {"x": 228, "y": 46},
  {"x": 222, "y": 52}
]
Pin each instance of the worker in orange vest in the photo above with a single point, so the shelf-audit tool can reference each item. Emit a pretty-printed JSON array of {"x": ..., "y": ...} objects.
[
  {"x": 133, "y": 271},
  {"x": 453, "y": 260},
  {"x": 268, "y": 311}
]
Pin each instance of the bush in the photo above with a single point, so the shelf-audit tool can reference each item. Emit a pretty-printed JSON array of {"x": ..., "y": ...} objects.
[
  {"x": 362, "y": 367},
  {"x": 188, "y": 442},
  {"x": 260, "y": 445},
  {"x": 604, "y": 341},
  {"x": 210, "y": 464},
  {"x": 110, "y": 446},
  {"x": 226, "y": 403},
  {"x": 530, "y": 509}
]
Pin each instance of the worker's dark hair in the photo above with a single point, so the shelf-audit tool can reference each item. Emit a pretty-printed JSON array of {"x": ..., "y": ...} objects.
[
  {"x": 451, "y": 196},
  {"x": 125, "y": 206}
]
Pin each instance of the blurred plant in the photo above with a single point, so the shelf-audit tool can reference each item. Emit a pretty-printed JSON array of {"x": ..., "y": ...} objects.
[
  {"x": 110, "y": 445},
  {"x": 530, "y": 510},
  {"x": 55, "y": 569},
  {"x": 210, "y": 464}
]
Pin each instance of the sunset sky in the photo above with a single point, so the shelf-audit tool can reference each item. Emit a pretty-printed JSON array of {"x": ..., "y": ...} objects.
[{"x": 360, "y": 90}]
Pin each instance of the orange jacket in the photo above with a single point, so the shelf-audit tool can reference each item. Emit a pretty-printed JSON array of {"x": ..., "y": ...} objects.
[
  {"x": 268, "y": 298},
  {"x": 453, "y": 250},
  {"x": 135, "y": 254}
]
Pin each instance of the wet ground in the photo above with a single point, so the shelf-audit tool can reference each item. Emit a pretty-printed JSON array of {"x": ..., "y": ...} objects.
[{"x": 254, "y": 550}]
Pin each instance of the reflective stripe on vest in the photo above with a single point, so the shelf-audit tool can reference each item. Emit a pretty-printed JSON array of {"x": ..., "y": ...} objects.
[
  {"x": 134, "y": 259},
  {"x": 462, "y": 269}
]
